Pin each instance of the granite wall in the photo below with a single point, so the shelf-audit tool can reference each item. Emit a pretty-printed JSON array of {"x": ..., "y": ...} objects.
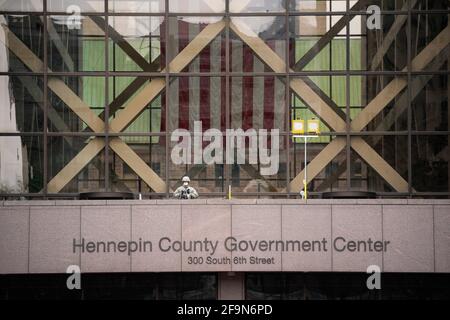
[{"x": 145, "y": 235}]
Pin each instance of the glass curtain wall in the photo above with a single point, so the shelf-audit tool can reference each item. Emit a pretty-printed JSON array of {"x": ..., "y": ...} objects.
[{"x": 129, "y": 95}]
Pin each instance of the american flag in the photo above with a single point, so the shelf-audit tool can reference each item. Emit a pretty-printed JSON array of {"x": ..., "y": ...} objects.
[{"x": 255, "y": 102}]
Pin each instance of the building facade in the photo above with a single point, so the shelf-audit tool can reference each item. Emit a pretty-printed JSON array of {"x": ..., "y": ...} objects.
[{"x": 376, "y": 80}]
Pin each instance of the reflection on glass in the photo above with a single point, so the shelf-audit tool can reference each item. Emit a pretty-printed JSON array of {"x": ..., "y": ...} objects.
[
  {"x": 21, "y": 5},
  {"x": 61, "y": 150},
  {"x": 431, "y": 5},
  {"x": 22, "y": 104},
  {"x": 123, "y": 92},
  {"x": 376, "y": 103},
  {"x": 331, "y": 90},
  {"x": 21, "y": 41},
  {"x": 341, "y": 5},
  {"x": 391, "y": 114},
  {"x": 267, "y": 28},
  {"x": 143, "y": 38},
  {"x": 131, "y": 6},
  {"x": 430, "y": 106},
  {"x": 196, "y": 99},
  {"x": 204, "y": 178},
  {"x": 257, "y": 102},
  {"x": 354, "y": 5},
  {"x": 313, "y": 286},
  {"x": 76, "y": 45},
  {"x": 197, "y": 6},
  {"x": 390, "y": 54},
  {"x": 310, "y": 25},
  {"x": 332, "y": 177},
  {"x": 271, "y": 30},
  {"x": 186, "y": 30},
  {"x": 75, "y": 6},
  {"x": 188, "y": 286},
  {"x": 430, "y": 163},
  {"x": 310, "y": 5},
  {"x": 259, "y": 163},
  {"x": 307, "y": 53},
  {"x": 21, "y": 164},
  {"x": 426, "y": 27},
  {"x": 237, "y": 6},
  {"x": 124, "y": 177},
  {"x": 394, "y": 151},
  {"x": 75, "y": 102}
]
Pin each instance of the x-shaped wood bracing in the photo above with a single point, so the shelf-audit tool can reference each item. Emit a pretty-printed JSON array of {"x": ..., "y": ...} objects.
[
  {"x": 366, "y": 115},
  {"x": 124, "y": 118},
  {"x": 329, "y": 116},
  {"x": 301, "y": 89},
  {"x": 326, "y": 110}
]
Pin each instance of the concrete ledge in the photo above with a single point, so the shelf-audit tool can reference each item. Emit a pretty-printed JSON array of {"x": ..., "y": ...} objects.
[
  {"x": 29, "y": 203},
  {"x": 45, "y": 209},
  {"x": 131, "y": 202},
  {"x": 422, "y": 206},
  {"x": 177, "y": 201},
  {"x": 213, "y": 201},
  {"x": 331, "y": 201},
  {"x": 80, "y": 202},
  {"x": 232, "y": 201},
  {"x": 281, "y": 201},
  {"x": 429, "y": 201},
  {"x": 382, "y": 201}
]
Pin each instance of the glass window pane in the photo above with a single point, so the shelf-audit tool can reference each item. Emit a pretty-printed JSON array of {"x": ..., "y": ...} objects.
[
  {"x": 184, "y": 31},
  {"x": 21, "y": 41},
  {"x": 307, "y": 53},
  {"x": 332, "y": 177},
  {"x": 196, "y": 101},
  {"x": 431, "y": 5},
  {"x": 205, "y": 178},
  {"x": 75, "y": 6},
  {"x": 258, "y": 166},
  {"x": 197, "y": 6},
  {"x": 126, "y": 93},
  {"x": 126, "y": 176},
  {"x": 383, "y": 49},
  {"x": 379, "y": 103},
  {"x": 238, "y": 6},
  {"x": 76, "y": 103},
  {"x": 61, "y": 150},
  {"x": 257, "y": 103},
  {"x": 264, "y": 286},
  {"x": 76, "y": 45},
  {"x": 430, "y": 101},
  {"x": 21, "y": 5},
  {"x": 123, "y": 91},
  {"x": 427, "y": 27},
  {"x": 187, "y": 286},
  {"x": 371, "y": 176},
  {"x": 331, "y": 90},
  {"x": 22, "y": 104},
  {"x": 311, "y": 5},
  {"x": 246, "y": 48},
  {"x": 21, "y": 164},
  {"x": 400, "y": 5},
  {"x": 135, "y": 43},
  {"x": 132, "y": 6},
  {"x": 430, "y": 163}
]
